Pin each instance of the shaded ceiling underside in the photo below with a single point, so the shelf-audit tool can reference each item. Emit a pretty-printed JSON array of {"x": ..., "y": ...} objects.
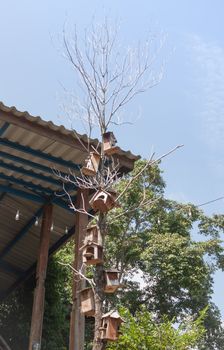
[{"x": 29, "y": 149}]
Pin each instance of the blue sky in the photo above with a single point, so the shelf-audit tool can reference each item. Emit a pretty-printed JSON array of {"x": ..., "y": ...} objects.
[{"x": 185, "y": 108}]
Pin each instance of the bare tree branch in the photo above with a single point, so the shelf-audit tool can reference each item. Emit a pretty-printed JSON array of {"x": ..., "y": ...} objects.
[
  {"x": 149, "y": 163},
  {"x": 111, "y": 79},
  {"x": 141, "y": 205},
  {"x": 72, "y": 206},
  {"x": 80, "y": 274}
]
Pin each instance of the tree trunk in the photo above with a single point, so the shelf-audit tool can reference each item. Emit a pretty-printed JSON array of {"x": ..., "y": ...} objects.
[
  {"x": 77, "y": 320},
  {"x": 99, "y": 344}
]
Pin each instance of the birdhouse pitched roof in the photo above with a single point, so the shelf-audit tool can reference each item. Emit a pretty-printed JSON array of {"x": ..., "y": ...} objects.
[
  {"x": 113, "y": 314},
  {"x": 89, "y": 244},
  {"x": 108, "y": 135}
]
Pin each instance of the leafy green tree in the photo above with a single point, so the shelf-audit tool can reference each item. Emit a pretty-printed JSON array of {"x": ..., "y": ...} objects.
[
  {"x": 154, "y": 241},
  {"x": 58, "y": 299},
  {"x": 143, "y": 332},
  {"x": 15, "y": 316}
]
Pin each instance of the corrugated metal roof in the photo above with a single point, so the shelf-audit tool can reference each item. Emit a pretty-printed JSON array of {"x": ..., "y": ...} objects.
[
  {"x": 29, "y": 148},
  {"x": 48, "y": 125}
]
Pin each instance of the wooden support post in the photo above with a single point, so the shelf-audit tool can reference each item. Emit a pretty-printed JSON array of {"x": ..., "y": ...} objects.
[
  {"x": 39, "y": 294},
  {"x": 77, "y": 321}
]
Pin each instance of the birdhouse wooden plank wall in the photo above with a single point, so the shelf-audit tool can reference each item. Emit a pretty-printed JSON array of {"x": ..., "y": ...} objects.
[
  {"x": 109, "y": 143},
  {"x": 93, "y": 234},
  {"x": 111, "y": 281},
  {"x": 87, "y": 302},
  {"x": 92, "y": 164},
  {"x": 92, "y": 254},
  {"x": 110, "y": 328},
  {"x": 103, "y": 200}
]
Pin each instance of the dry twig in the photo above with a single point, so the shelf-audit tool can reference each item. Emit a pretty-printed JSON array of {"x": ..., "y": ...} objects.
[
  {"x": 80, "y": 274},
  {"x": 149, "y": 163}
]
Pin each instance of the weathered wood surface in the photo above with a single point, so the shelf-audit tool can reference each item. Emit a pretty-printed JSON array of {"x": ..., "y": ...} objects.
[
  {"x": 39, "y": 294},
  {"x": 77, "y": 321}
]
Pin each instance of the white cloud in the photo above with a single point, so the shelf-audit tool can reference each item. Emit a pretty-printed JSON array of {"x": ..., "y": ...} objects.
[{"x": 208, "y": 59}]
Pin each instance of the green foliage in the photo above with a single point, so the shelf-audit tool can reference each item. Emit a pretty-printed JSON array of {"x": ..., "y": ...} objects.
[
  {"x": 15, "y": 316},
  {"x": 143, "y": 332},
  {"x": 15, "y": 312},
  {"x": 214, "y": 336},
  {"x": 156, "y": 241},
  {"x": 57, "y": 305},
  {"x": 212, "y": 226},
  {"x": 178, "y": 277}
]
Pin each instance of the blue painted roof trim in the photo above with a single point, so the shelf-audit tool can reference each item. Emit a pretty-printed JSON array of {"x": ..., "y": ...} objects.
[
  {"x": 39, "y": 154},
  {"x": 4, "y": 128}
]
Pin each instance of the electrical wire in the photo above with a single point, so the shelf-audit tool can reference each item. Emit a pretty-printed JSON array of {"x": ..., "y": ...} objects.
[{"x": 212, "y": 201}]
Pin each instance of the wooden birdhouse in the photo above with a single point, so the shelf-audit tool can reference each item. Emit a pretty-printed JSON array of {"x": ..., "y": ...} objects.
[
  {"x": 103, "y": 200},
  {"x": 93, "y": 234},
  {"x": 109, "y": 143},
  {"x": 87, "y": 302},
  {"x": 92, "y": 253},
  {"x": 92, "y": 164},
  {"x": 111, "y": 281},
  {"x": 110, "y": 328}
]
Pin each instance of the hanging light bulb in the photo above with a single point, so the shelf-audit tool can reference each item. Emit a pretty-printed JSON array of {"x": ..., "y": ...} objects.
[
  {"x": 36, "y": 222},
  {"x": 17, "y": 215},
  {"x": 66, "y": 230},
  {"x": 52, "y": 226},
  {"x": 189, "y": 213}
]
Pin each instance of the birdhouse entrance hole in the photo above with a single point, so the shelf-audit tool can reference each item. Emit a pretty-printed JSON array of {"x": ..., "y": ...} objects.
[
  {"x": 89, "y": 253},
  {"x": 103, "y": 200}
]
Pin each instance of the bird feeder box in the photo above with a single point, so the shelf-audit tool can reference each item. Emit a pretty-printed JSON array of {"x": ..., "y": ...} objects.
[
  {"x": 111, "y": 281},
  {"x": 110, "y": 328},
  {"x": 92, "y": 253},
  {"x": 103, "y": 200},
  {"x": 35, "y": 346},
  {"x": 93, "y": 234},
  {"x": 87, "y": 302},
  {"x": 109, "y": 143},
  {"x": 92, "y": 164}
]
